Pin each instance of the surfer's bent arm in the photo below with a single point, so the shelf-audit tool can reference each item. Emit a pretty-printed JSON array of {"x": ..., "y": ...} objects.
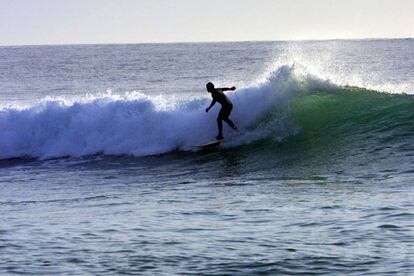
[
  {"x": 227, "y": 89},
  {"x": 211, "y": 105}
]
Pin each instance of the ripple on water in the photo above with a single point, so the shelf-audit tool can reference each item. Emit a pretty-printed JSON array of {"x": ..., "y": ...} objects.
[{"x": 388, "y": 226}]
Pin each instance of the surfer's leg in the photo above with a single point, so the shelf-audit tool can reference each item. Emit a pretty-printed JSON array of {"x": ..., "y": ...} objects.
[
  {"x": 220, "y": 128},
  {"x": 226, "y": 113},
  {"x": 220, "y": 124},
  {"x": 230, "y": 123}
]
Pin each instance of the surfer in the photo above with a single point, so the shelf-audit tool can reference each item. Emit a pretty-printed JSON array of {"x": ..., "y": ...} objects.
[{"x": 226, "y": 107}]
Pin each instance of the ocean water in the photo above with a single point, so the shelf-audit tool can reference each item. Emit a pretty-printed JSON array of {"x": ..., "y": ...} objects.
[{"x": 99, "y": 176}]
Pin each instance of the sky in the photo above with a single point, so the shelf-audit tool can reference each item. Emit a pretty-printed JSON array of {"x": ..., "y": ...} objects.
[{"x": 34, "y": 22}]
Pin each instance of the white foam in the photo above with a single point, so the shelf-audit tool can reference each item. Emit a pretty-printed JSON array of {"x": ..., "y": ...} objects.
[{"x": 133, "y": 123}]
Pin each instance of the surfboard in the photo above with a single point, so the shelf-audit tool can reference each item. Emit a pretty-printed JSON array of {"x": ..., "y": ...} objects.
[{"x": 209, "y": 145}]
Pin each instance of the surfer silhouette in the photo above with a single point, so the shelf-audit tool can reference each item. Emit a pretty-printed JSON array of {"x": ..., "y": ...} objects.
[{"x": 226, "y": 107}]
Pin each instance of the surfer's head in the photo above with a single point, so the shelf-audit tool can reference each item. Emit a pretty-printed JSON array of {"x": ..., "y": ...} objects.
[{"x": 210, "y": 87}]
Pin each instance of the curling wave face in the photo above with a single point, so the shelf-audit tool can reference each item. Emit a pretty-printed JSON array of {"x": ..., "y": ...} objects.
[{"x": 286, "y": 106}]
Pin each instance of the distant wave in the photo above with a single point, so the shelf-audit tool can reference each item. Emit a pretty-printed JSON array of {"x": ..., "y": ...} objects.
[{"x": 285, "y": 104}]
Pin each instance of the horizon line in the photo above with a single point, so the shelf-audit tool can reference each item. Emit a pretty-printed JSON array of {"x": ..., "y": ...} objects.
[{"x": 206, "y": 42}]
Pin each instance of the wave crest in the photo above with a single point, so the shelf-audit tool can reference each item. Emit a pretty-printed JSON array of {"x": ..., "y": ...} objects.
[{"x": 137, "y": 124}]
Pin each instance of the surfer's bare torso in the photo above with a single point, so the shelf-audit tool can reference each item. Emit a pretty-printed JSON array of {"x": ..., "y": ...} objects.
[{"x": 221, "y": 98}]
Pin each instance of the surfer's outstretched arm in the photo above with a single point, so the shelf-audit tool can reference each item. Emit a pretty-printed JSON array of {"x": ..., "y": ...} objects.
[
  {"x": 211, "y": 105},
  {"x": 227, "y": 89}
]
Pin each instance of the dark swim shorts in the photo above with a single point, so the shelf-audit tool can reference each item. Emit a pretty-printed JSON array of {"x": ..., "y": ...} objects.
[{"x": 224, "y": 112}]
